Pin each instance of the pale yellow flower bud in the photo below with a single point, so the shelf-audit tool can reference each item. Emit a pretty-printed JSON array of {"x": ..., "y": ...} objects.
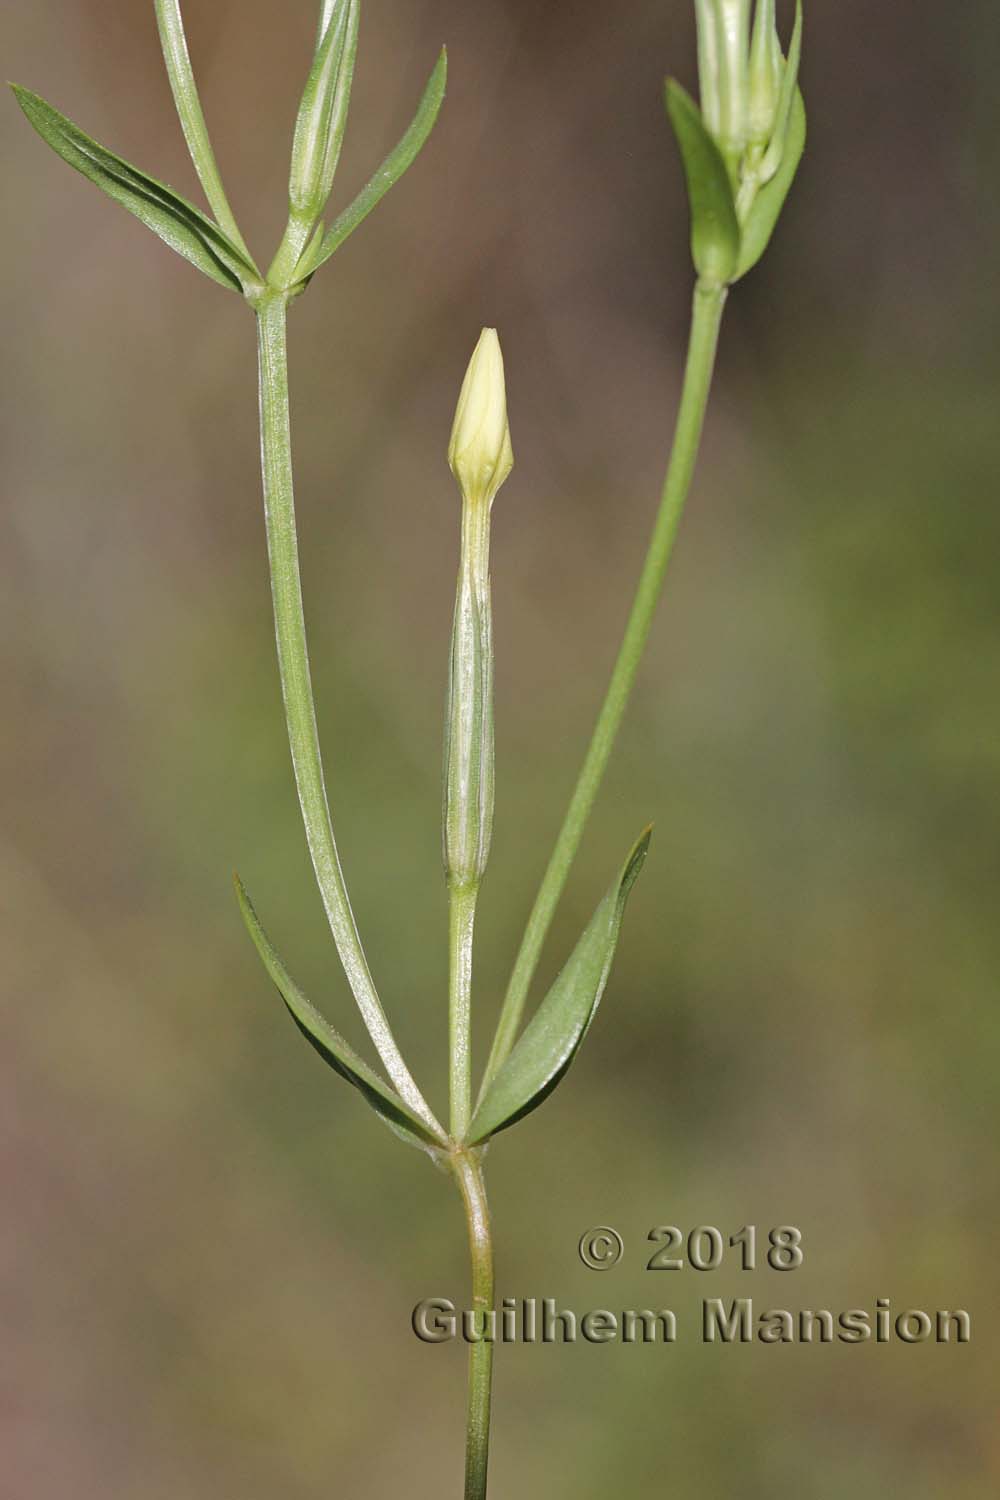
[{"x": 480, "y": 453}]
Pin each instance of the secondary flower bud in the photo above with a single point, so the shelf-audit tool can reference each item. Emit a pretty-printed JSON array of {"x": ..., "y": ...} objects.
[
  {"x": 751, "y": 108},
  {"x": 480, "y": 453},
  {"x": 766, "y": 67},
  {"x": 723, "y": 66}
]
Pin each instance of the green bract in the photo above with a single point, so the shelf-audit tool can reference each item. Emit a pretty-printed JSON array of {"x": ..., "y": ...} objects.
[
  {"x": 715, "y": 232},
  {"x": 331, "y": 1046},
  {"x": 179, "y": 223},
  {"x": 216, "y": 246},
  {"x": 396, "y": 163},
  {"x": 770, "y": 200},
  {"x": 553, "y": 1036},
  {"x": 741, "y": 152}
]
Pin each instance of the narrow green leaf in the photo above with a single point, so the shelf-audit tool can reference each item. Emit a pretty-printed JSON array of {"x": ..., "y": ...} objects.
[
  {"x": 552, "y": 1037},
  {"x": 715, "y": 232},
  {"x": 763, "y": 217},
  {"x": 330, "y": 1045},
  {"x": 179, "y": 223},
  {"x": 396, "y": 163}
]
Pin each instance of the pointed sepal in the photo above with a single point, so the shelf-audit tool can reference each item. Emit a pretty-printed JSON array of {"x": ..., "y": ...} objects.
[
  {"x": 775, "y": 153},
  {"x": 770, "y": 200}
]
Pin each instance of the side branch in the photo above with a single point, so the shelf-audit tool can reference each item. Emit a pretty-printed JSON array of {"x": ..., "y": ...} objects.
[{"x": 296, "y": 683}]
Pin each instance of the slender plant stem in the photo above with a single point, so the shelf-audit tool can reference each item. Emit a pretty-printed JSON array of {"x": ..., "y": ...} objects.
[
  {"x": 294, "y": 243},
  {"x": 462, "y": 921},
  {"x": 706, "y": 319},
  {"x": 469, "y": 1175},
  {"x": 189, "y": 111},
  {"x": 296, "y": 683}
]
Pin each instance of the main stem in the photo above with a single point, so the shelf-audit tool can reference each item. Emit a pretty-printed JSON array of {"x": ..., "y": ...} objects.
[
  {"x": 461, "y": 925},
  {"x": 706, "y": 319},
  {"x": 296, "y": 685},
  {"x": 467, "y": 1167}
]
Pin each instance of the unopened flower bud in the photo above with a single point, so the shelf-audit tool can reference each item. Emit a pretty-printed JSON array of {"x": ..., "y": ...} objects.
[
  {"x": 481, "y": 457},
  {"x": 480, "y": 453},
  {"x": 752, "y": 109},
  {"x": 723, "y": 66},
  {"x": 766, "y": 67}
]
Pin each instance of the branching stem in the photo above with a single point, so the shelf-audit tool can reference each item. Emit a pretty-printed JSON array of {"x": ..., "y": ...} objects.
[
  {"x": 296, "y": 684},
  {"x": 189, "y": 112},
  {"x": 705, "y": 323}
]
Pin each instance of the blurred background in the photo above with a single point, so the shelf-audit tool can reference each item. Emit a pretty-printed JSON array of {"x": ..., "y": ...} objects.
[{"x": 209, "y": 1249}]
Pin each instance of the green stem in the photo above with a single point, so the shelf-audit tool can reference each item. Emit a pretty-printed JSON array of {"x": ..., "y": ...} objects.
[
  {"x": 461, "y": 921},
  {"x": 468, "y": 1173},
  {"x": 705, "y": 323},
  {"x": 294, "y": 243},
  {"x": 296, "y": 684},
  {"x": 189, "y": 112}
]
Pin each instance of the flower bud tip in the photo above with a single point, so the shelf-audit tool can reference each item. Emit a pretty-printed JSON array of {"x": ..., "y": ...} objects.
[{"x": 480, "y": 453}]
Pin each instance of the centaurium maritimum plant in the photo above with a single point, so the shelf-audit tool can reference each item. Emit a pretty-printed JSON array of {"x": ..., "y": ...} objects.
[{"x": 740, "y": 153}]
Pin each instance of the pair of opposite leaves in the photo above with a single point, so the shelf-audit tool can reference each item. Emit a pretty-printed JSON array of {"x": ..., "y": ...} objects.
[
  {"x": 536, "y": 1064},
  {"x": 722, "y": 248},
  {"x": 552, "y": 1038},
  {"x": 192, "y": 233}
]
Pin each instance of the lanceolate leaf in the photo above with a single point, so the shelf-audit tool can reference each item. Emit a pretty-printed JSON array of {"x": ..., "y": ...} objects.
[
  {"x": 715, "y": 231},
  {"x": 179, "y": 223},
  {"x": 388, "y": 174},
  {"x": 553, "y": 1036},
  {"x": 763, "y": 217},
  {"x": 330, "y": 1045}
]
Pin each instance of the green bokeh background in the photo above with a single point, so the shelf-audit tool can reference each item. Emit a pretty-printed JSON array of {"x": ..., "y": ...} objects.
[{"x": 209, "y": 1249}]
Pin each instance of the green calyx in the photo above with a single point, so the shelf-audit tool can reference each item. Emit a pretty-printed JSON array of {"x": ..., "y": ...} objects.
[{"x": 742, "y": 148}]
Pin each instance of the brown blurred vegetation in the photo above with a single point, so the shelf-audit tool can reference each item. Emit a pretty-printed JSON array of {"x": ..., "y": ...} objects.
[{"x": 208, "y": 1249}]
